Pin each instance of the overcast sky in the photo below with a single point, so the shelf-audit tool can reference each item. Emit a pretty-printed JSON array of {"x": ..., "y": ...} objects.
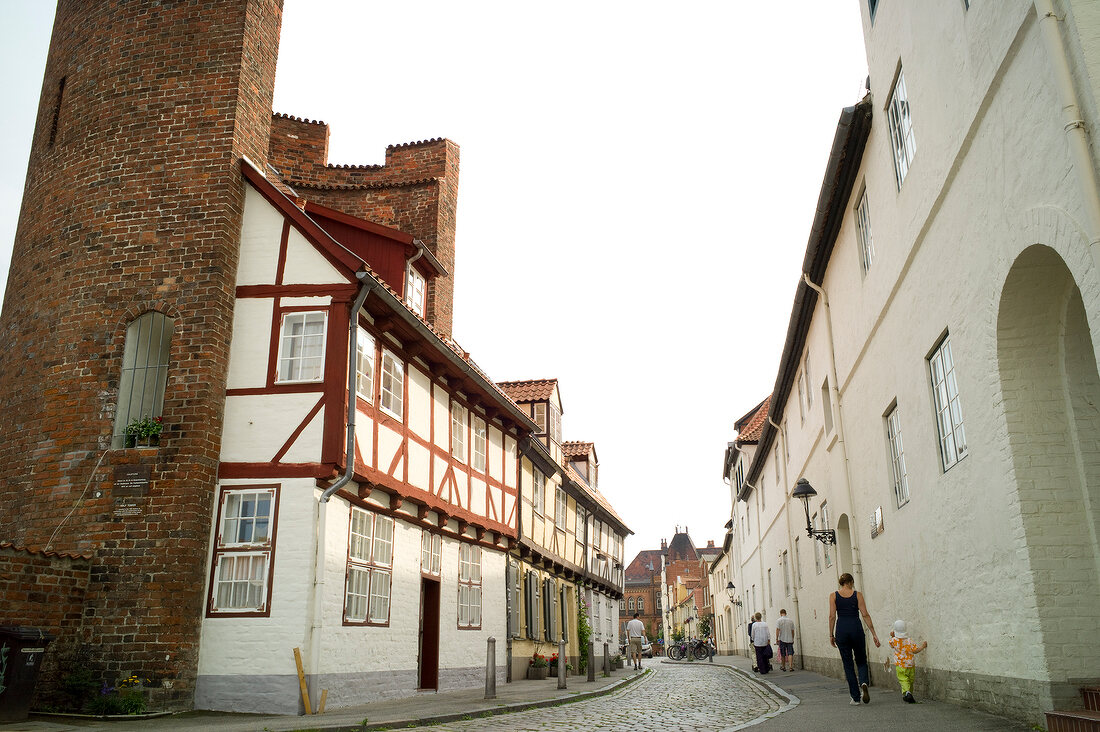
[{"x": 638, "y": 181}]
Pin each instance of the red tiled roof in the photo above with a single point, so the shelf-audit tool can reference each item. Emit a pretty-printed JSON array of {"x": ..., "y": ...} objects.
[
  {"x": 645, "y": 565},
  {"x": 575, "y": 449},
  {"x": 752, "y": 424},
  {"x": 43, "y": 552},
  {"x": 531, "y": 390}
]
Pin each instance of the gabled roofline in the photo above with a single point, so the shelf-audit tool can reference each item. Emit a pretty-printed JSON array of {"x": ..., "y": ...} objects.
[{"x": 841, "y": 172}]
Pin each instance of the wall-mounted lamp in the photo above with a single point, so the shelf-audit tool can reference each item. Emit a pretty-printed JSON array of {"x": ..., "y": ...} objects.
[
  {"x": 732, "y": 592},
  {"x": 803, "y": 491}
]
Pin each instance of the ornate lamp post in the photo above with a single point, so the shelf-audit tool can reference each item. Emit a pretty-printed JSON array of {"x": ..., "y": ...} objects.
[
  {"x": 732, "y": 592},
  {"x": 803, "y": 491}
]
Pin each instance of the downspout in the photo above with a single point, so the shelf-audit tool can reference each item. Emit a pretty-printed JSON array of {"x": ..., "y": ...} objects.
[
  {"x": 857, "y": 566},
  {"x": 366, "y": 284},
  {"x": 1076, "y": 132},
  {"x": 790, "y": 543}
]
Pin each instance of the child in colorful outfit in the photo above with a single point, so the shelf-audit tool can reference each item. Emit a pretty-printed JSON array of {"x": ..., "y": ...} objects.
[{"x": 904, "y": 650}]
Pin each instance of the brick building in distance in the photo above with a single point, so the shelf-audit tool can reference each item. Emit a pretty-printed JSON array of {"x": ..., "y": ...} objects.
[{"x": 652, "y": 570}]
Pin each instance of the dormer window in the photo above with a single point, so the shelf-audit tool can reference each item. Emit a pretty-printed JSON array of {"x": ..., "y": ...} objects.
[{"x": 414, "y": 291}]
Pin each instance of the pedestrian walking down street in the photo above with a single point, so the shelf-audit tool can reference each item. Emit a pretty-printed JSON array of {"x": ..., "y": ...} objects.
[
  {"x": 710, "y": 649},
  {"x": 762, "y": 642},
  {"x": 784, "y": 636},
  {"x": 752, "y": 619},
  {"x": 635, "y": 631},
  {"x": 846, "y": 634},
  {"x": 904, "y": 650}
]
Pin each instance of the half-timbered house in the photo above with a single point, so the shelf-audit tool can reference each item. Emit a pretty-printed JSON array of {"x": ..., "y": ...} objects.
[{"x": 570, "y": 548}]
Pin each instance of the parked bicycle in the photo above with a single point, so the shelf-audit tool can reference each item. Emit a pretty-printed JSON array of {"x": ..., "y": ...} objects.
[{"x": 694, "y": 647}]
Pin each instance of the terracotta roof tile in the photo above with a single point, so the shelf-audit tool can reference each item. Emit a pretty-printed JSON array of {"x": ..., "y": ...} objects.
[
  {"x": 574, "y": 448},
  {"x": 43, "y": 552},
  {"x": 752, "y": 424},
  {"x": 531, "y": 390}
]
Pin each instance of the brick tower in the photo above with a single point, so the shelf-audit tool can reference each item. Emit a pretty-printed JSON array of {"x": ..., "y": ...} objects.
[{"x": 132, "y": 204}]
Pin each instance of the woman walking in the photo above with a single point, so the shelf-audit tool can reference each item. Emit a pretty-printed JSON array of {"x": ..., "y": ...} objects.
[{"x": 846, "y": 634}]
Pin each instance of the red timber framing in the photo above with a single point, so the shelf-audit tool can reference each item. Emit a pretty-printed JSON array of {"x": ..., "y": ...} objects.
[{"x": 448, "y": 497}]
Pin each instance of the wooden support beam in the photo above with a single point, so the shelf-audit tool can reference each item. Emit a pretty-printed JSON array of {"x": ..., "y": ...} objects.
[
  {"x": 302, "y": 680},
  {"x": 396, "y": 502}
]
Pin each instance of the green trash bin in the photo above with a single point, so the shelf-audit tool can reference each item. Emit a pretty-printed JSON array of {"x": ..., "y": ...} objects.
[{"x": 21, "y": 652}]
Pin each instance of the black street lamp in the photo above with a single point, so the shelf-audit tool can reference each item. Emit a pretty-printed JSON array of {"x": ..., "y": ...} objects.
[
  {"x": 803, "y": 491},
  {"x": 732, "y": 592}
]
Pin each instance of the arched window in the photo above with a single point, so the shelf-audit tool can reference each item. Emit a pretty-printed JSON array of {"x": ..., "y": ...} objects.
[
  {"x": 144, "y": 371},
  {"x": 630, "y": 604}
]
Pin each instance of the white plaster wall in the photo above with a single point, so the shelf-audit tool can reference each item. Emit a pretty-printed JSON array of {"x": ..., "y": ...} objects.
[
  {"x": 256, "y": 426},
  {"x": 364, "y": 438},
  {"x": 250, "y": 345},
  {"x": 305, "y": 266},
  {"x": 261, "y": 232},
  {"x": 419, "y": 410},
  {"x": 442, "y": 435}
]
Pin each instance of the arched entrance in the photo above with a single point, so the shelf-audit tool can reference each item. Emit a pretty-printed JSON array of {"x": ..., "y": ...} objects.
[
  {"x": 1048, "y": 376},
  {"x": 844, "y": 545}
]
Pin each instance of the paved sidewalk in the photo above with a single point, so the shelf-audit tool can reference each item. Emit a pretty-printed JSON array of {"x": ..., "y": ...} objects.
[
  {"x": 816, "y": 702},
  {"x": 423, "y": 708}
]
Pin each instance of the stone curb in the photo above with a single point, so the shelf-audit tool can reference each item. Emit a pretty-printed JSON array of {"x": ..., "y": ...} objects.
[
  {"x": 482, "y": 713},
  {"x": 792, "y": 700}
]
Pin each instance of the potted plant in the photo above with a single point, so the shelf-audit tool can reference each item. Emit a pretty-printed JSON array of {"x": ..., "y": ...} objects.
[
  {"x": 617, "y": 661},
  {"x": 539, "y": 668},
  {"x": 144, "y": 431}
]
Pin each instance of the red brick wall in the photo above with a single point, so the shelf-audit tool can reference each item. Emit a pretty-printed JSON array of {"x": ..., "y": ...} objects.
[
  {"x": 416, "y": 191},
  {"x": 45, "y": 592},
  {"x": 133, "y": 202}
]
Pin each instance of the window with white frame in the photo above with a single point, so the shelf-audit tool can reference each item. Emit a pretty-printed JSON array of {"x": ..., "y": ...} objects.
[
  {"x": 414, "y": 291},
  {"x": 458, "y": 431},
  {"x": 802, "y": 396},
  {"x": 797, "y": 563},
  {"x": 777, "y": 463},
  {"x": 897, "y": 457},
  {"x": 630, "y": 605},
  {"x": 597, "y": 626},
  {"x": 945, "y": 393},
  {"x": 302, "y": 347},
  {"x": 561, "y": 508},
  {"x": 393, "y": 385},
  {"x": 364, "y": 366},
  {"x": 370, "y": 566},
  {"x": 786, "y": 442},
  {"x": 786, "y": 574},
  {"x": 863, "y": 230},
  {"x": 144, "y": 374},
  {"x": 622, "y": 605},
  {"x": 431, "y": 553},
  {"x": 243, "y": 550},
  {"x": 609, "y": 620},
  {"x": 469, "y": 586},
  {"x": 479, "y": 444},
  {"x": 641, "y": 604},
  {"x": 538, "y": 415},
  {"x": 901, "y": 129},
  {"x": 555, "y": 423},
  {"x": 771, "y": 597},
  {"x": 817, "y": 545},
  {"x": 809, "y": 381},
  {"x": 538, "y": 490}
]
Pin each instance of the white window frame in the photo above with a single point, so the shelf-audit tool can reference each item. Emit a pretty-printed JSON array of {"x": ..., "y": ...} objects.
[
  {"x": 368, "y": 585},
  {"x": 538, "y": 491},
  {"x": 364, "y": 366},
  {"x": 630, "y": 605},
  {"x": 863, "y": 231},
  {"x": 415, "y": 289},
  {"x": 897, "y": 456},
  {"x": 538, "y": 416},
  {"x": 431, "y": 553},
  {"x": 479, "y": 441},
  {"x": 641, "y": 605},
  {"x": 802, "y": 396},
  {"x": 561, "y": 507},
  {"x": 945, "y": 395},
  {"x": 291, "y": 348},
  {"x": 786, "y": 562},
  {"x": 393, "y": 375},
  {"x": 555, "y": 424},
  {"x": 458, "y": 431},
  {"x": 900, "y": 121},
  {"x": 469, "y": 586},
  {"x": 809, "y": 381},
  {"x": 233, "y": 548}
]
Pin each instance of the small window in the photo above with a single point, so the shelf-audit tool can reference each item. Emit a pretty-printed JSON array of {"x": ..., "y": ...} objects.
[
  {"x": 302, "y": 347},
  {"x": 144, "y": 374},
  {"x": 641, "y": 605},
  {"x": 777, "y": 464},
  {"x": 827, "y": 406},
  {"x": 622, "y": 605},
  {"x": 555, "y": 424},
  {"x": 364, "y": 367},
  {"x": 863, "y": 230},
  {"x": 458, "y": 431},
  {"x": 901, "y": 130},
  {"x": 479, "y": 445},
  {"x": 469, "y": 586},
  {"x": 897, "y": 457},
  {"x": 431, "y": 553},
  {"x": 414, "y": 291},
  {"x": 827, "y": 551},
  {"x": 809, "y": 381},
  {"x": 771, "y": 597},
  {"x": 630, "y": 605},
  {"x": 802, "y": 396},
  {"x": 393, "y": 385},
  {"x": 786, "y": 574},
  {"x": 872, "y": 8},
  {"x": 242, "y": 555},
  {"x": 945, "y": 392},
  {"x": 538, "y": 491},
  {"x": 370, "y": 565},
  {"x": 538, "y": 416},
  {"x": 561, "y": 508}
]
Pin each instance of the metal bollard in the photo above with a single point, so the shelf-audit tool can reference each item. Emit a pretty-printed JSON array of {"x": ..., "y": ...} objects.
[
  {"x": 562, "y": 671},
  {"x": 491, "y": 668},
  {"x": 606, "y": 661},
  {"x": 591, "y": 660}
]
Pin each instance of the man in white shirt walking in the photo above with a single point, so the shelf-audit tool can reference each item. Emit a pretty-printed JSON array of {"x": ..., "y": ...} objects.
[
  {"x": 762, "y": 641},
  {"x": 635, "y": 631},
  {"x": 784, "y": 634}
]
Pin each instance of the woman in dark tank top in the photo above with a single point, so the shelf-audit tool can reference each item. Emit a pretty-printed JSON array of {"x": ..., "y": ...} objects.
[{"x": 846, "y": 634}]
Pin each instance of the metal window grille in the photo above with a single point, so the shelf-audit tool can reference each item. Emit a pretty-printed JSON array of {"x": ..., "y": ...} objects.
[{"x": 144, "y": 374}]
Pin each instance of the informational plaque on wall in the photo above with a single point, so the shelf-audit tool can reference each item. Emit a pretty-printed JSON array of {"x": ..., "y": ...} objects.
[{"x": 131, "y": 483}]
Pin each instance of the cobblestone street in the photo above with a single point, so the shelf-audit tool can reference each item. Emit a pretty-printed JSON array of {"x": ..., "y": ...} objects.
[{"x": 672, "y": 698}]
